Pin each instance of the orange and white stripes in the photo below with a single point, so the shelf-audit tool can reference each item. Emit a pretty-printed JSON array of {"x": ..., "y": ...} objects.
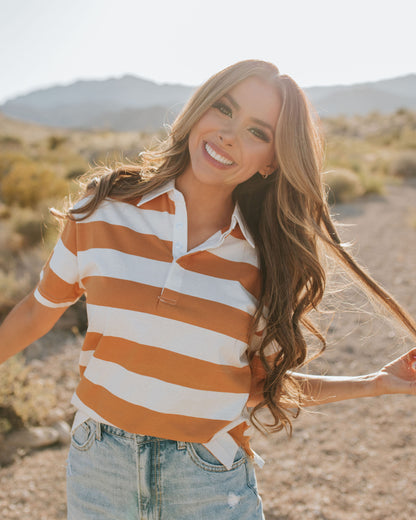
[{"x": 165, "y": 350}]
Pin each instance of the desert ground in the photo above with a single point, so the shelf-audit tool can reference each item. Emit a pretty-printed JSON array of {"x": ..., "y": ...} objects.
[{"x": 353, "y": 460}]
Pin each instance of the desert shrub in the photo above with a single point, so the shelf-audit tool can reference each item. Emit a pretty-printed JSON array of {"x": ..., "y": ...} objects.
[
  {"x": 343, "y": 186},
  {"x": 13, "y": 287},
  {"x": 338, "y": 126},
  {"x": 404, "y": 165},
  {"x": 31, "y": 231},
  {"x": 28, "y": 182},
  {"x": 407, "y": 138},
  {"x": 7, "y": 159},
  {"x": 75, "y": 172},
  {"x": 9, "y": 141},
  {"x": 372, "y": 183},
  {"x": 54, "y": 141},
  {"x": 24, "y": 398},
  {"x": 19, "y": 269},
  {"x": 379, "y": 166},
  {"x": 28, "y": 224}
]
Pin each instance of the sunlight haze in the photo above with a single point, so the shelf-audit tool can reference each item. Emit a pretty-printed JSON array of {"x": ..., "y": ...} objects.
[{"x": 325, "y": 42}]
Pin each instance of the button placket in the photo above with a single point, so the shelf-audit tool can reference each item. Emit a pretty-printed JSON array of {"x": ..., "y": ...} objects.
[
  {"x": 174, "y": 279},
  {"x": 180, "y": 227},
  {"x": 173, "y": 284}
]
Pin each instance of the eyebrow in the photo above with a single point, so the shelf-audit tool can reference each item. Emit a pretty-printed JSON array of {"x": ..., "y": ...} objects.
[{"x": 237, "y": 107}]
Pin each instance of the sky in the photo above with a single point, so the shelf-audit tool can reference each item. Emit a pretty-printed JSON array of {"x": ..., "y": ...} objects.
[{"x": 317, "y": 42}]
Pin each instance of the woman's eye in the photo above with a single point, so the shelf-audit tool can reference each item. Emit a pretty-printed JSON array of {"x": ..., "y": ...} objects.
[
  {"x": 222, "y": 107},
  {"x": 260, "y": 134}
]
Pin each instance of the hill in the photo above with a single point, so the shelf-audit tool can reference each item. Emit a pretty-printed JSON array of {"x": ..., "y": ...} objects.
[{"x": 130, "y": 103}]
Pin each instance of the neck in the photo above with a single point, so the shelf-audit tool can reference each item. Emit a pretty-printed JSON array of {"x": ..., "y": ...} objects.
[{"x": 207, "y": 206}]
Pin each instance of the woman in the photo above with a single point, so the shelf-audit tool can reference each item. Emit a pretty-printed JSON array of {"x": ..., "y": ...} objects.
[{"x": 200, "y": 265}]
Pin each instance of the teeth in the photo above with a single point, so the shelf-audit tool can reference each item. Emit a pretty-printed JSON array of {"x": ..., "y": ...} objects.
[{"x": 215, "y": 156}]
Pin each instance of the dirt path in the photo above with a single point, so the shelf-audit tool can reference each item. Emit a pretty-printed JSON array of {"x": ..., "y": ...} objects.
[{"x": 352, "y": 460}]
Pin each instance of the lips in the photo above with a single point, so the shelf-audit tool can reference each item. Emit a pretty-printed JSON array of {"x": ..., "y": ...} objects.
[{"x": 217, "y": 156}]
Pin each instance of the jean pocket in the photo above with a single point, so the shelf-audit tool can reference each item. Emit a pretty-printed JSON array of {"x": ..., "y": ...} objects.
[
  {"x": 83, "y": 436},
  {"x": 203, "y": 458}
]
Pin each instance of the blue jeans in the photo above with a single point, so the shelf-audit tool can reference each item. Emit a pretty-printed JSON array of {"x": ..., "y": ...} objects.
[{"x": 116, "y": 475}]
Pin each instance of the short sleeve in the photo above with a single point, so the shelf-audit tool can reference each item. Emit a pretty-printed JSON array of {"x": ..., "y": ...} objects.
[{"x": 59, "y": 284}]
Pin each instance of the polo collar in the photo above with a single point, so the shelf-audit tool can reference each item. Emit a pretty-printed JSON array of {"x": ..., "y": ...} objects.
[
  {"x": 169, "y": 188},
  {"x": 157, "y": 192},
  {"x": 237, "y": 218}
]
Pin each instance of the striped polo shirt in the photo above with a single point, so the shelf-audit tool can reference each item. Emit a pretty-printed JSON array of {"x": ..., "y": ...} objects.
[{"x": 165, "y": 353}]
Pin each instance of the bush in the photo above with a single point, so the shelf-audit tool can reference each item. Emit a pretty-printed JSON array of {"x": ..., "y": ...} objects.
[
  {"x": 54, "y": 141},
  {"x": 24, "y": 398},
  {"x": 7, "y": 159},
  {"x": 29, "y": 225},
  {"x": 344, "y": 185},
  {"x": 404, "y": 165},
  {"x": 27, "y": 183},
  {"x": 9, "y": 141},
  {"x": 372, "y": 183},
  {"x": 13, "y": 287},
  {"x": 19, "y": 269},
  {"x": 75, "y": 172}
]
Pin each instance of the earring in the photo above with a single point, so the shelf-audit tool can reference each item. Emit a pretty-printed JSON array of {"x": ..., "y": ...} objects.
[{"x": 264, "y": 175}]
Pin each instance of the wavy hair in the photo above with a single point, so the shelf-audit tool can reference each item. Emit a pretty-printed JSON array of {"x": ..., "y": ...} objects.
[{"x": 287, "y": 215}]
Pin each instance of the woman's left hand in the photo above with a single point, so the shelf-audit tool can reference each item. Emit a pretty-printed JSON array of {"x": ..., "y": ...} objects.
[{"x": 399, "y": 376}]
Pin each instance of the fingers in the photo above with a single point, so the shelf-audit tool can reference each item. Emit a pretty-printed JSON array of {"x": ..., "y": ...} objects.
[{"x": 411, "y": 356}]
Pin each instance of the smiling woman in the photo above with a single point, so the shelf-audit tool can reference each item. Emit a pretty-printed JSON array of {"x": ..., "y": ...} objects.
[
  {"x": 200, "y": 265},
  {"x": 231, "y": 142},
  {"x": 234, "y": 139}
]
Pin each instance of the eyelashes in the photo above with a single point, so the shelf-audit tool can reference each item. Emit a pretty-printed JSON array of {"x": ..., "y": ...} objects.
[
  {"x": 222, "y": 107},
  {"x": 260, "y": 134},
  {"x": 227, "y": 111}
]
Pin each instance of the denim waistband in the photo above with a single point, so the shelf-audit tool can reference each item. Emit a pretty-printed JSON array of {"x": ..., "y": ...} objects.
[
  {"x": 113, "y": 430},
  {"x": 222, "y": 445}
]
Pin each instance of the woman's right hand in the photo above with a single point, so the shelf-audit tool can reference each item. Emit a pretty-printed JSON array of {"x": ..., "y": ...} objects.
[{"x": 399, "y": 376}]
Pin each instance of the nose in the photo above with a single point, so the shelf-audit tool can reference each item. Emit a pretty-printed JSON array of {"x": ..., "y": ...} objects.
[
  {"x": 227, "y": 136},
  {"x": 226, "y": 139}
]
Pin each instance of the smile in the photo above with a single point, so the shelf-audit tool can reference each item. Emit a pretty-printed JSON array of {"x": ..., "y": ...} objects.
[{"x": 217, "y": 156}]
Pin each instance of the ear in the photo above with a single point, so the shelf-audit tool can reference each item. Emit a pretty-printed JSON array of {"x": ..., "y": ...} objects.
[{"x": 267, "y": 170}]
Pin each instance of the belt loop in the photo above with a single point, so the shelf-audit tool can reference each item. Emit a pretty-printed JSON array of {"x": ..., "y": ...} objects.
[
  {"x": 181, "y": 445},
  {"x": 97, "y": 430}
]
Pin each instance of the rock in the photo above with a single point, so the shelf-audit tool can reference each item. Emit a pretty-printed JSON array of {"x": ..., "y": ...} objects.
[
  {"x": 35, "y": 437},
  {"x": 64, "y": 431},
  {"x": 54, "y": 416},
  {"x": 6, "y": 456}
]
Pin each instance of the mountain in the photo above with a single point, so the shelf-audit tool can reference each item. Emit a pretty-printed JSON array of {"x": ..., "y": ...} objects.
[
  {"x": 126, "y": 103},
  {"x": 384, "y": 96},
  {"x": 132, "y": 103}
]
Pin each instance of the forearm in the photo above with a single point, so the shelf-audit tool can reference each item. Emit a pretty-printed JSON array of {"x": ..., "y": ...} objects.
[
  {"x": 26, "y": 322},
  {"x": 328, "y": 389}
]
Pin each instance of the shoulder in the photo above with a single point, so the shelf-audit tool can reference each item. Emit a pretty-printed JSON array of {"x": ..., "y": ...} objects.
[{"x": 81, "y": 210}]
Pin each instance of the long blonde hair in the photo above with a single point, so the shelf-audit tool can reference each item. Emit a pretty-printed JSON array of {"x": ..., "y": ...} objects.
[{"x": 287, "y": 215}]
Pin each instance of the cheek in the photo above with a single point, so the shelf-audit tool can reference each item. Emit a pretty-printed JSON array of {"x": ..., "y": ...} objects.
[
  {"x": 258, "y": 155},
  {"x": 193, "y": 140},
  {"x": 205, "y": 123},
  {"x": 197, "y": 131}
]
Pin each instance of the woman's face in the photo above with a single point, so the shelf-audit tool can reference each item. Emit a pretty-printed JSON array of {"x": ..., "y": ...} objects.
[{"x": 234, "y": 138}]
